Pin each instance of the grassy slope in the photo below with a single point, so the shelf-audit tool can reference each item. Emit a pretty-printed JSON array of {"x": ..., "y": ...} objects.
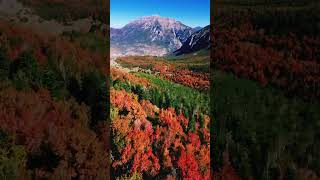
[
  {"x": 199, "y": 61},
  {"x": 175, "y": 89},
  {"x": 181, "y": 94}
]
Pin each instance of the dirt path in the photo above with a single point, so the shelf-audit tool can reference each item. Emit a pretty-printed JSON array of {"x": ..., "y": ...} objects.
[{"x": 114, "y": 64}]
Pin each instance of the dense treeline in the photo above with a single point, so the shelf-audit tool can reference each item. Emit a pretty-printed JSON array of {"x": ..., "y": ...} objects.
[
  {"x": 265, "y": 133},
  {"x": 151, "y": 137},
  {"x": 164, "y": 94},
  {"x": 188, "y": 70},
  {"x": 51, "y": 138},
  {"x": 287, "y": 61},
  {"x": 276, "y": 19},
  {"x": 53, "y": 100},
  {"x": 66, "y": 10},
  {"x": 265, "y": 89}
]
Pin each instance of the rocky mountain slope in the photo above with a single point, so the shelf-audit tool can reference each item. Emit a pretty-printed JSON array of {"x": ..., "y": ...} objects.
[
  {"x": 197, "y": 41},
  {"x": 150, "y": 35}
]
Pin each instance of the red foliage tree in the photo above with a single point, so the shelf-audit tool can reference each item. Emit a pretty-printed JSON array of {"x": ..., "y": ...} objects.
[
  {"x": 36, "y": 120},
  {"x": 149, "y": 148}
]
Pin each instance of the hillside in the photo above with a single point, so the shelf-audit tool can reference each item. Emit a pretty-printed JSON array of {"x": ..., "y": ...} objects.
[
  {"x": 53, "y": 102},
  {"x": 199, "y": 40},
  {"x": 67, "y": 10},
  {"x": 265, "y": 89},
  {"x": 170, "y": 97}
]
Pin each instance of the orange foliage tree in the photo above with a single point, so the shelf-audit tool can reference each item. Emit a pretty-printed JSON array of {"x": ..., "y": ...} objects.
[
  {"x": 53, "y": 130},
  {"x": 155, "y": 142}
]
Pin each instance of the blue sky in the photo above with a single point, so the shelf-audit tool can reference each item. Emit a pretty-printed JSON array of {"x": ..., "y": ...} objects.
[{"x": 190, "y": 12}]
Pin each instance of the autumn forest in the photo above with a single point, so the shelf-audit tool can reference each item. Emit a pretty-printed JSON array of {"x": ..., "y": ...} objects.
[{"x": 132, "y": 90}]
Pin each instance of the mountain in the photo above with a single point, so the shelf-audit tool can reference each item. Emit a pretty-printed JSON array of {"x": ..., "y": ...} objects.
[
  {"x": 150, "y": 35},
  {"x": 115, "y": 32},
  {"x": 197, "y": 41},
  {"x": 196, "y": 28}
]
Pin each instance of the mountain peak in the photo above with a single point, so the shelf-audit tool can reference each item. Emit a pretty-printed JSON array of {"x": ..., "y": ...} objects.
[
  {"x": 165, "y": 33},
  {"x": 156, "y": 18}
]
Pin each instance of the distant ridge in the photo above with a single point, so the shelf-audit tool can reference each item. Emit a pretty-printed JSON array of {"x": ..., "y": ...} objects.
[
  {"x": 197, "y": 41},
  {"x": 195, "y": 29}
]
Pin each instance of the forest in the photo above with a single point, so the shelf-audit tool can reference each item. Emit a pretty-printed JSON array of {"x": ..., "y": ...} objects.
[
  {"x": 159, "y": 119},
  {"x": 265, "y": 89},
  {"x": 53, "y": 99}
]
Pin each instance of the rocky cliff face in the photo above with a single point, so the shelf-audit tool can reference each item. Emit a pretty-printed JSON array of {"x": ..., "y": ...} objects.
[
  {"x": 151, "y": 35},
  {"x": 197, "y": 41}
]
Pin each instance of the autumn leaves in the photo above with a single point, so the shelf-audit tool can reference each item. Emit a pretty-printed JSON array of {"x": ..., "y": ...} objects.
[{"x": 155, "y": 142}]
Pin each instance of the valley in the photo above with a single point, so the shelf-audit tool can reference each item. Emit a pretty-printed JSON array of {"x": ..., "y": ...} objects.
[{"x": 159, "y": 102}]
